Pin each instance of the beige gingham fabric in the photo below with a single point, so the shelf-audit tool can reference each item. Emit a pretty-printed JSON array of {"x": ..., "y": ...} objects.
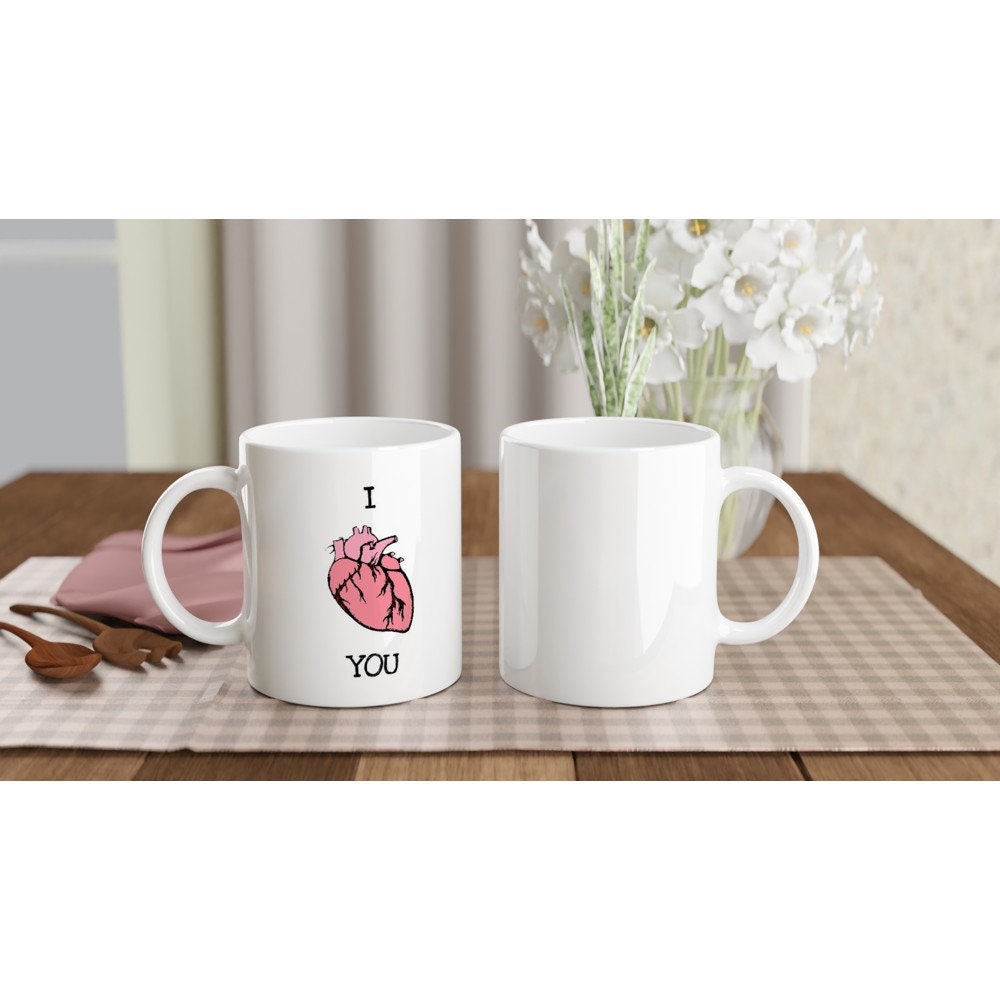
[{"x": 869, "y": 665}]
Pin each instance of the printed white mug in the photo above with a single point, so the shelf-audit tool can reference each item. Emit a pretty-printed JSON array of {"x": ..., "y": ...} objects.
[
  {"x": 608, "y": 548},
  {"x": 352, "y": 559}
]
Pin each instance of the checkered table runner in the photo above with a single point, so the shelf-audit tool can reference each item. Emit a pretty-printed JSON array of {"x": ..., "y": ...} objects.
[{"x": 869, "y": 665}]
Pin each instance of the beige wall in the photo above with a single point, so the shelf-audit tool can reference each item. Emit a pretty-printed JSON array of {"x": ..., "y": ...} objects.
[{"x": 915, "y": 418}]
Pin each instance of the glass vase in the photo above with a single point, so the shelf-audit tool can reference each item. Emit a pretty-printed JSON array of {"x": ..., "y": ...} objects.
[{"x": 734, "y": 406}]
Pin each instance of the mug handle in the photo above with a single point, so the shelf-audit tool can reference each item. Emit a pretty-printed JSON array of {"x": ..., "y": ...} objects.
[
  {"x": 743, "y": 477},
  {"x": 216, "y": 477}
]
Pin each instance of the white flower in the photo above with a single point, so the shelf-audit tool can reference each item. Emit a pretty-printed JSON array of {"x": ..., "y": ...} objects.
[
  {"x": 536, "y": 267},
  {"x": 582, "y": 242},
  {"x": 564, "y": 357},
  {"x": 542, "y": 312},
  {"x": 811, "y": 288},
  {"x": 854, "y": 270},
  {"x": 744, "y": 290},
  {"x": 667, "y": 364},
  {"x": 575, "y": 271},
  {"x": 758, "y": 245},
  {"x": 695, "y": 235},
  {"x": 661, "y": 294},
  {"x": 546, "y": 326},
  {"x": 669, "y": 256},
  {"x": 733, "y": 294},
  {"x": 713, "y": 266},
  {"x": 687, "y": 327},
  {"x": 768, "y": 314},
  {"x": 537, "y": 324},
  {"x": 793, "y": 345},
  {"x": 855, "y": 287},
  {"x": 862, "y": 318},
  {"x": 797, "y": 244},
  {"x": 539, "y": 248}
]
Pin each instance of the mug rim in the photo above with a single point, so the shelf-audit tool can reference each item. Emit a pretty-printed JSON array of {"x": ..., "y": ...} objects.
[
  {"x": 514, "y": 434},
  {"x": 445, "y": 432}
]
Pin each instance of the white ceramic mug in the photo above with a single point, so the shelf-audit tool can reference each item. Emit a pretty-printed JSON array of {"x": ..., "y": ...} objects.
[
  {"x": 608, "y": 547},
  {"x": 352, "y": 559}
]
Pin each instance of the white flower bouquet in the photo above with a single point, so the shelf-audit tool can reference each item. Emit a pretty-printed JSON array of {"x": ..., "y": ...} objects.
[
  {"x": 770, "y": 289},
  {"x": 687, "y": 319}
]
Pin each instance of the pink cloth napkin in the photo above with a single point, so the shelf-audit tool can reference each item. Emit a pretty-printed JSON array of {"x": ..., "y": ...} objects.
[{"x": 205, "y": 572}]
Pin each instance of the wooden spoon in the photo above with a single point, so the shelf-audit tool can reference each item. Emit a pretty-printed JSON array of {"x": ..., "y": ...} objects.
[
  {"x": 62, "y": 660},
  {"x": 124, "y": 647}
]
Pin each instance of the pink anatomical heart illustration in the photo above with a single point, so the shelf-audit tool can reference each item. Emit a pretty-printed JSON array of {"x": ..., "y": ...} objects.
[{"x": 368, "y": 582}]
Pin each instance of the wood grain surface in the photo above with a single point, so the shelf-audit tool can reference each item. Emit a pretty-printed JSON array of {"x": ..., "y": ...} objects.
[
  {"x": 498, "y": 766},
  {"x": 68, "y": 513}
]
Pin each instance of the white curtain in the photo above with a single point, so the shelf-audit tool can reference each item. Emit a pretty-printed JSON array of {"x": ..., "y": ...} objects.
[
  {"x": 398, "y": 318},
  {"x": 171, "y": 356}
]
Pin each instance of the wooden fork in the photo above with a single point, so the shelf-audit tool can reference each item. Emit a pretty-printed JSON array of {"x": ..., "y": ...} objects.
[{"x": 124, "y": 647}]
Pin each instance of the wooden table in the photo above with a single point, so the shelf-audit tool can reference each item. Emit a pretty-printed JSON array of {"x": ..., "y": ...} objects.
[{"x": 67, "y": 513}]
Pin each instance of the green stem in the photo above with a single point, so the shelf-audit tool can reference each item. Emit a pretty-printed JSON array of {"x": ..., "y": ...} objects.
[
  {"x": 733, "y": 407},
  {"x": 672, "y": 397},
  {"x": 721, "y": 354},
  {"x": 665, "y": 390},
  {"x": 701, "y": 370},
  {"x": 758, "y": 403}
]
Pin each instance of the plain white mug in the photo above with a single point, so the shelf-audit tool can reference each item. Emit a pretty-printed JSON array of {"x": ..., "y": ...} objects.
[
  {"x": 352, "y": 559},
  {"x": 608, "y": 548}
]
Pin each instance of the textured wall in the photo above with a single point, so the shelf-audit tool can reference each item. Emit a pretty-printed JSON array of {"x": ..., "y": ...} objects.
[{"x": 915, "y": 418}]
